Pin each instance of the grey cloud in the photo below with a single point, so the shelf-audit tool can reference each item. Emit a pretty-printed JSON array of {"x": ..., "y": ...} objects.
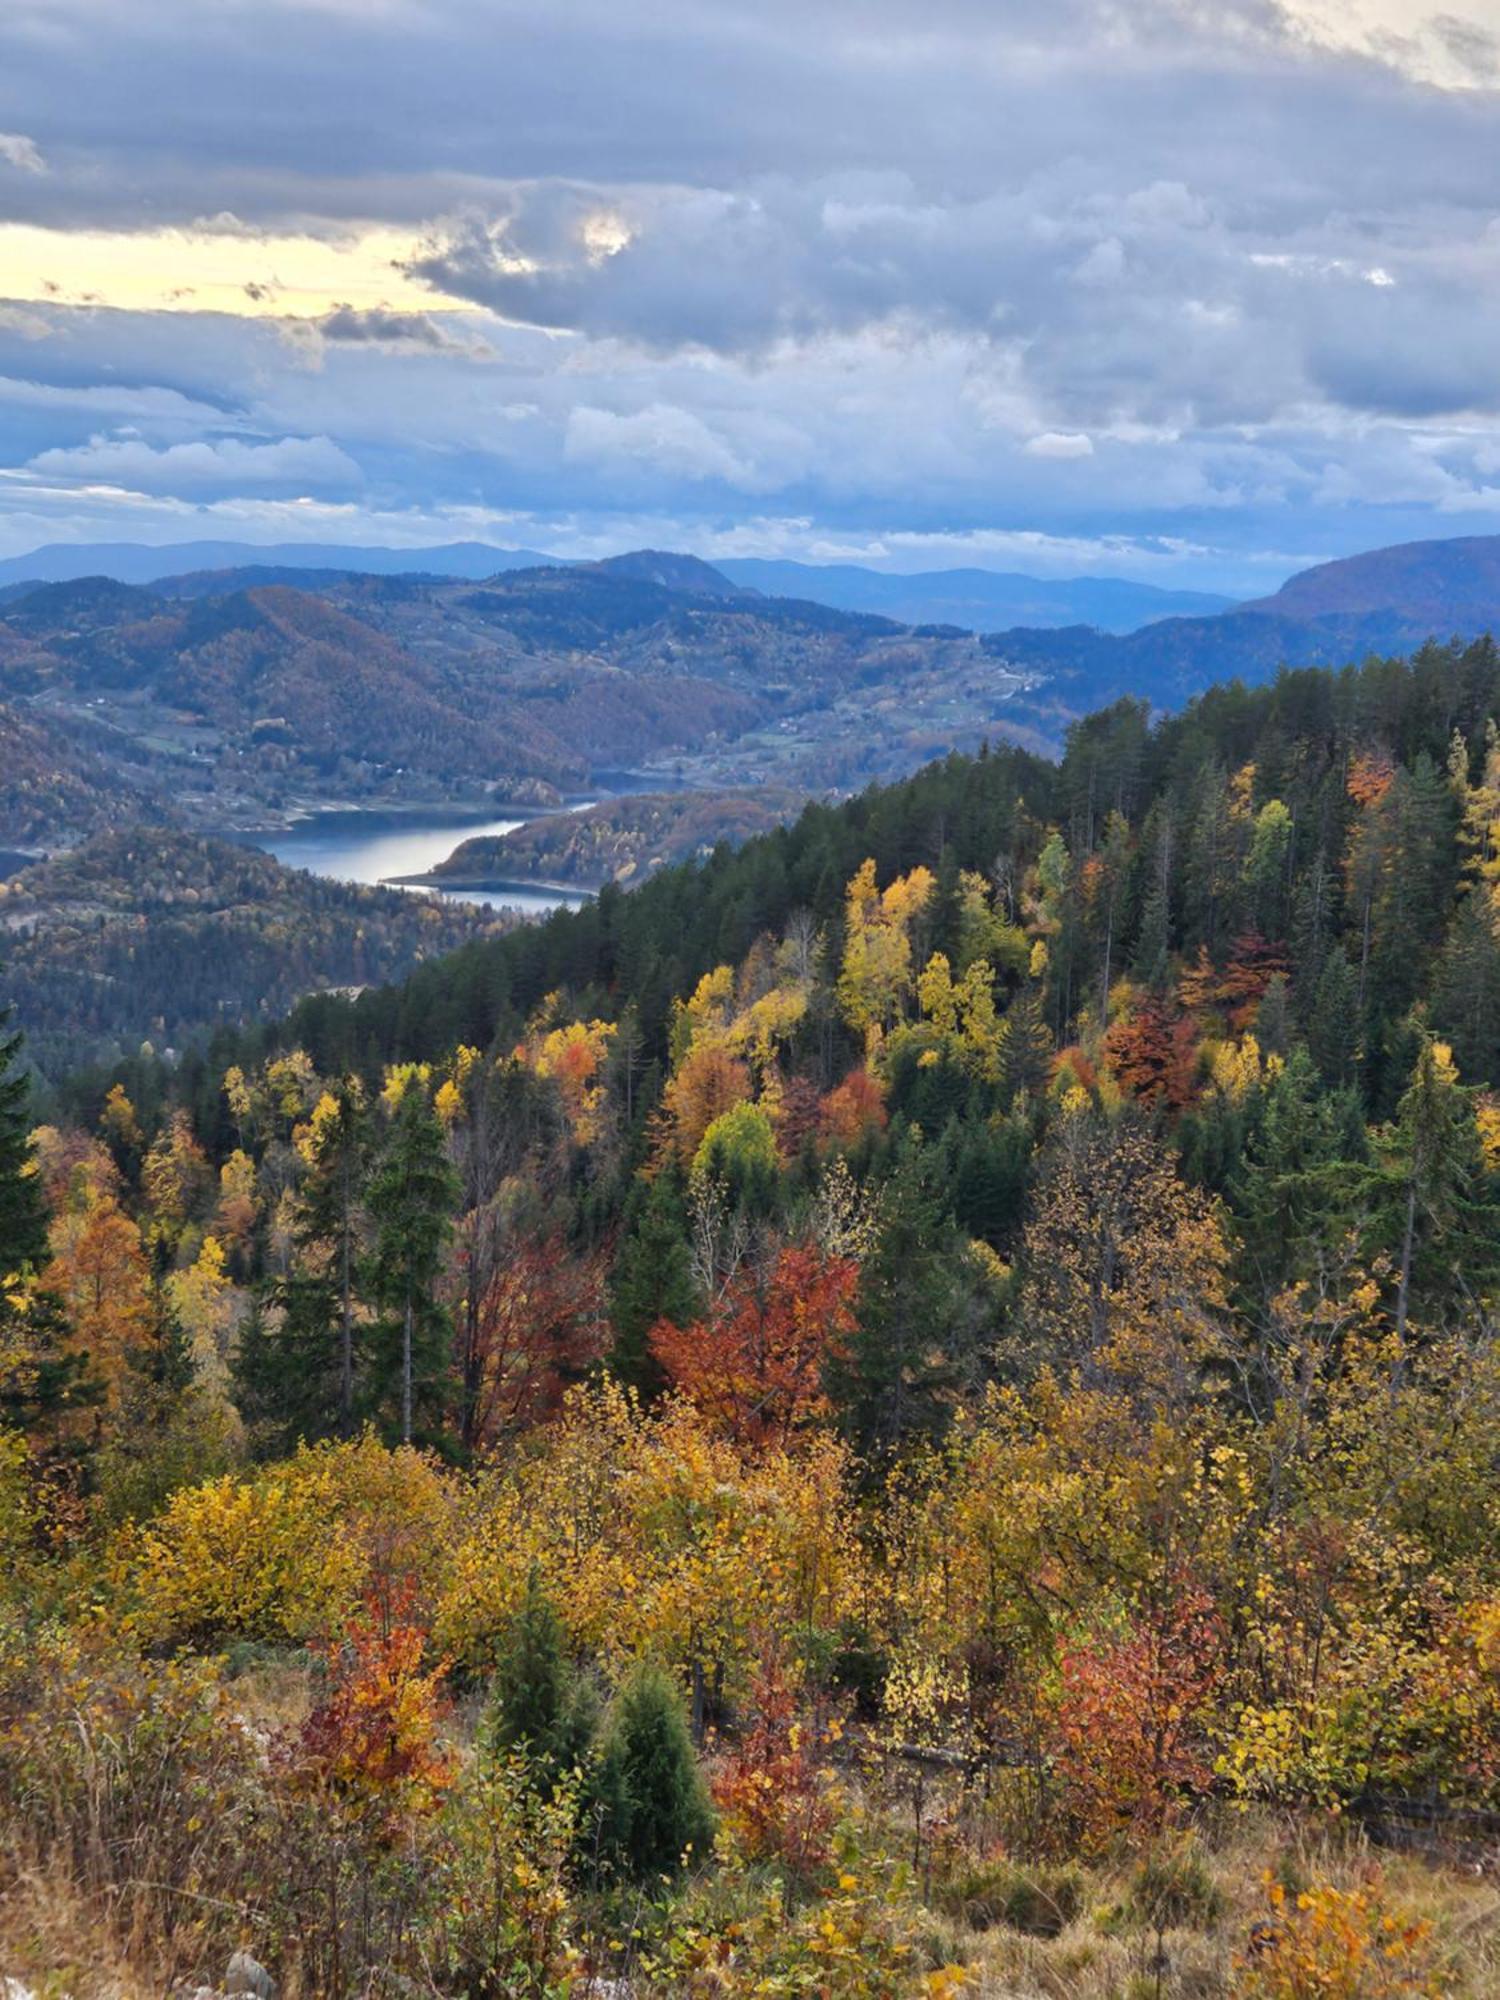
[
  {"x": 382, "y": 327},
  {"x": 872, "y": 266}
]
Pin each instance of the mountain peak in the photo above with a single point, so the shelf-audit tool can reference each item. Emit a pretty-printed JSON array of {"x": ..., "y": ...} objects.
[{"x": 688, "y": 574}]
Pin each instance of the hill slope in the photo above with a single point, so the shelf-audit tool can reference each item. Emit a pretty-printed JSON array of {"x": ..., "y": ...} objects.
[
  {"x": 1389, "y": 602},
  {"x": 161, "y": 935},
  {"x": 241, "y": 691}
]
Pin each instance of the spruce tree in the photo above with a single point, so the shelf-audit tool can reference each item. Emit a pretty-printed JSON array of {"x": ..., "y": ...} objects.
[
  {"x": 540, "y": 1706},
  {"x": 1333, "y": 1029},
  {"x": 653, "y": 1279},
  {"x": 1466, "y": 991},
  {"x": 654, "y": 1808},
  {"x": 411, "y": 1197},
  {"x": 907, "y": 1357}
]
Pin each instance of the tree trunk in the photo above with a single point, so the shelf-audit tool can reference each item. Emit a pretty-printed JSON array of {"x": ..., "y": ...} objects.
[
  {"x": 346, "y": 1343},
  {"x": 406, "y": 1330},
  {"x": 1407, "y": 1240}
]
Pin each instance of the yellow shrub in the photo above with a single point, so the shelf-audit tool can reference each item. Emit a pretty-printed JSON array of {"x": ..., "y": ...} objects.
[{"x": 285, "y": 1553}]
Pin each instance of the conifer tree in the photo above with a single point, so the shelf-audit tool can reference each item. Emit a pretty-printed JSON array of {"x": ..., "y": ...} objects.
[
  {"x": 1333, "y": 1029},
  {"x": 410, "y": 1197},
  {"x": 1438, "y": 1221},
  {"x": 907, "y": 1356},
  {"x": 23, "y": 1215},
  {"x": 654, "y": 1804},
  {"x": 653, "y": 1280},
  {"x": 540, "y": 1705}
]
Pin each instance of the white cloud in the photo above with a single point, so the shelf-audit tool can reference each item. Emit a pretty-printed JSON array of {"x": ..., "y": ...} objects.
[
  {"x": 221, "y": 463},
  {"x": 1060, "y": 444},
  {"x": 17, "y": 151}
]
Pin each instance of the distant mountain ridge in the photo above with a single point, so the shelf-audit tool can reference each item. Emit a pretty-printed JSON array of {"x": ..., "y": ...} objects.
[
  {"x": 140, "y": 562},
  {"x": 976, "y": 600},
  {"x": 1387, "y": 601}
]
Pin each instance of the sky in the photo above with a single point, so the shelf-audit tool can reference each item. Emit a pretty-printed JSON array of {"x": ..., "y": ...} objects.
[{"x": 1194, "y": 291}]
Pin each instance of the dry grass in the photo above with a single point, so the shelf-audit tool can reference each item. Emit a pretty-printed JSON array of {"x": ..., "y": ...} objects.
[
  {"x": 57, "y": 1944},
  {"x": 1107, "y": 1954}
]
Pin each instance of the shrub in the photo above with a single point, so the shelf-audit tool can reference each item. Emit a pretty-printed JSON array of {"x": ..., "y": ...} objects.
[{"x": 1334, "y": 1944}]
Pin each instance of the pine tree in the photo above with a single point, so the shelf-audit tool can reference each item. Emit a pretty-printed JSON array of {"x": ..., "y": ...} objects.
[
  {"x": 655, "y": 1810},
  {"x": 410, "y": 1198}
]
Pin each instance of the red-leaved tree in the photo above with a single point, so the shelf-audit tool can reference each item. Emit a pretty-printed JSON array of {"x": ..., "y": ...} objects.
[{"x": 755, "y": 1365}]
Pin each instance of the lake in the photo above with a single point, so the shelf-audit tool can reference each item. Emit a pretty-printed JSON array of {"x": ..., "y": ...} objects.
[{"x": 360, "y": 846}]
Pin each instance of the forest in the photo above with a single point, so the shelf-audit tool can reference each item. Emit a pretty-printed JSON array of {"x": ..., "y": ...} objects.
[
  {"x": 150, "y": 936},
  {"x": 909, "y": 1409}
]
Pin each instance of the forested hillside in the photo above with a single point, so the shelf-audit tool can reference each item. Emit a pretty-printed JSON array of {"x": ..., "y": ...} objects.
[
  {"x": 150, "y": 936},
  {"x": 623, "y": 840},
  {"x": 930, "y": 1381},
  {"x": 234, "y": 694}
]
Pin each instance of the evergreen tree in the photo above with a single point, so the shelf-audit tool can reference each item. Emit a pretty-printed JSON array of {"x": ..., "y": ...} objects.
[
  {"x": 1026, "y": 1050},
  {"x": 23, "y": 1215},
  {"x": 285, "y": 1372},
  {"x": 1154, "y": 942},
  {"x": 1466, "y": 989},
  {"x": 653, "y": 1279},
  {"x": 911, "y": 1350},
  {"x": 539, "y": 1704},
  {"x": 1434, "y": 1211},
  {"x": 1333, "y": 1029},
  {"x": 1292, "y": 1195},
  {"x": 410, "y": 1197},
  {"x": 654, "y": 1805}
]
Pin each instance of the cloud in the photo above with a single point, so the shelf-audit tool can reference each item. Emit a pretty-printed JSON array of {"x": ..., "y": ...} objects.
[
  {"x": 17, "y": 151},
  {"x": 875, "y": 270},
  {"x": 382, "y": 326},
  {"x": 1060, "y": 444},
  {"x": 222, "y": 464}
]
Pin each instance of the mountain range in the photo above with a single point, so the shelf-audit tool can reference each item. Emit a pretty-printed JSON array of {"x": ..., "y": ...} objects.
[
  {"x": 977, "y": 599},
  {"x": 230, "y": 697},
  {"x": 1389, "y": 601},
  {"x": 226, "y": 697}
]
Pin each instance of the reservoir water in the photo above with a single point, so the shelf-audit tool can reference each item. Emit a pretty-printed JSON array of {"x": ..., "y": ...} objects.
[{"x": 359, "y": 846}]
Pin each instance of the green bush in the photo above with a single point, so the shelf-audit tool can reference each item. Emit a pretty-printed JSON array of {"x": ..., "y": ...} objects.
[
  {"x": 540, "y": 1705},
  {"x": 650, "y": 1800}
]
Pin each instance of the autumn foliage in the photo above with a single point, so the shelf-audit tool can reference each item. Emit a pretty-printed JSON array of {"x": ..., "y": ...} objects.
[{"x": 756, "y": 1365}]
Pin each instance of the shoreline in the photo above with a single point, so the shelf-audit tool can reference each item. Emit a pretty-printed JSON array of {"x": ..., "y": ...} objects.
[{"x": 521, "y": 885}]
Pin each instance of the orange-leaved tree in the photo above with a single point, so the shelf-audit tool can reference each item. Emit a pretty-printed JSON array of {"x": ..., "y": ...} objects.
[{"x": 755, "y": 1365}]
